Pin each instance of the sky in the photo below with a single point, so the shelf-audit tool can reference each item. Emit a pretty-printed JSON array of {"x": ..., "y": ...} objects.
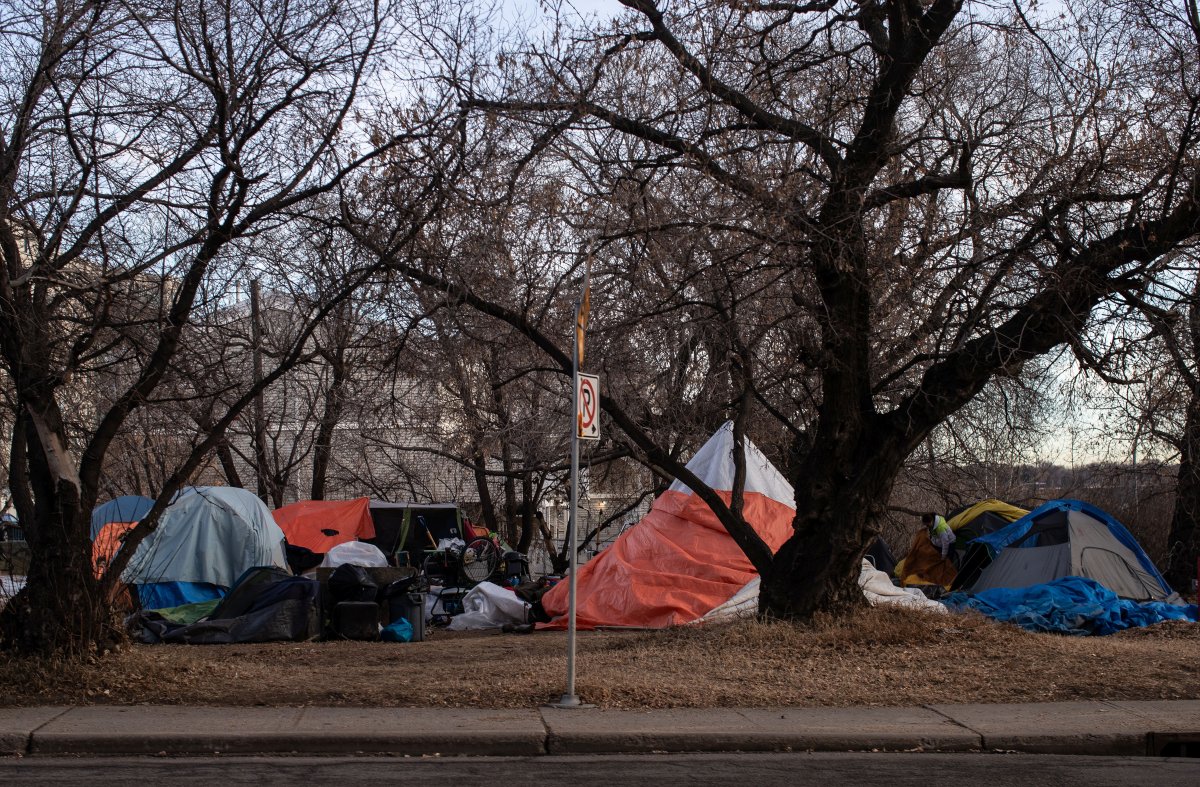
[{"x": 600, "y": 8}]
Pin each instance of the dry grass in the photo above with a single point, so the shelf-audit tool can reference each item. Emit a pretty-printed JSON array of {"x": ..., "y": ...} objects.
[{"x": 874, "y": 657}]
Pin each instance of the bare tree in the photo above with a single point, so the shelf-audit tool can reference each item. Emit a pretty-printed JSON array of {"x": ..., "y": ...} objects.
[
  {"x": 1148, "y": 361},
  {"x": 1145, "y": 375},
  {"x": 148, "y": 149},
  {"x": 876, "y": 207},
  {"x": 350, "y": 352}
]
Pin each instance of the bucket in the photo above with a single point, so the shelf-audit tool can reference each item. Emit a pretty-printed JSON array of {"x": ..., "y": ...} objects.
[{"x": 411, "y": 607}]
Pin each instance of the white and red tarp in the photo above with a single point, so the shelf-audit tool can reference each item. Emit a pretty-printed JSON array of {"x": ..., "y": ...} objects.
[{"x": 678, "y": 564}]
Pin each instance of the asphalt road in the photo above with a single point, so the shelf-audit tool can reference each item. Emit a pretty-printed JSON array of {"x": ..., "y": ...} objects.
[{"x": 824, "y": 769}]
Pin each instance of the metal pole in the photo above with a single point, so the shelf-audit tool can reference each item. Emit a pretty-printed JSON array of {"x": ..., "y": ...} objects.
[{"x": 570, "y": 699}]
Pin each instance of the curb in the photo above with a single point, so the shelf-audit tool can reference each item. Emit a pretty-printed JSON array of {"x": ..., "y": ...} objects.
[
  {"x": 755, "y": 729},
  {"x": 320, "y": 731},
  {"x": 1084, "y": 728}
]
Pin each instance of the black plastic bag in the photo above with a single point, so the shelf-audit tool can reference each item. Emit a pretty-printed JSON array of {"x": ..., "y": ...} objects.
[{"x": 352, "y": 583}]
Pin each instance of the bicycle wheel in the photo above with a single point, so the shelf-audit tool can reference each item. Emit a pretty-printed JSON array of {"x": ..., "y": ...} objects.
[{"x": 480, "y": 560}]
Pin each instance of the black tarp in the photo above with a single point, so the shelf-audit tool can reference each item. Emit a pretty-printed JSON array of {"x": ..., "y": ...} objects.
[
  {"x": 266, "y": 605},
  {"x": 413, "y": 528}
]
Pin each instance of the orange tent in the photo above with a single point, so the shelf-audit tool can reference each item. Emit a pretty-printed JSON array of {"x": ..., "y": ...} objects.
[
  {"x": 107, "y": 542},
  {"x": 320, "y": 525},
  {"x": 678, "y": 562}
]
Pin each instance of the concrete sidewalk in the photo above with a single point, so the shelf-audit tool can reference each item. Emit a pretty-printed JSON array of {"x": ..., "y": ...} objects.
[{"x": 1098, "y": 728}]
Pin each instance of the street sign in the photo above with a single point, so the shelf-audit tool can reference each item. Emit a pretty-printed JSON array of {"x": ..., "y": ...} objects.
[{"x": 587, "y": 397}]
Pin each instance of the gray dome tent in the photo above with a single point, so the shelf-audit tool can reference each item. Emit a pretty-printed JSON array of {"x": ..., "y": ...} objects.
[
  {"x": 1070, "y": 538},
  {"x": 207, "y": 538}
]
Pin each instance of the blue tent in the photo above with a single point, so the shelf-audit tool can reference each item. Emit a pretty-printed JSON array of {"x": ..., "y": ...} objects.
[
  {"x": 127, "y": 508},
  {"x": 1064, "y": 538}
]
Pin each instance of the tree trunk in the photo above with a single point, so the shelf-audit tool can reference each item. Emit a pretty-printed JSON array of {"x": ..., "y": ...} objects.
[
  {"x": 817, "y": 569},
  {"x": 510, "y": 533},
  {"x": 526, "y": 536},
  {"x": 18, "y": 477},
  {"x": 278, "y": 489},
  {"x": 1183, "y": 542},
  {"x": 558, "y": 562},
  {"x": 812, "y": 572},
  {"x": 487, "y": 507},
  {"x": 841, "y": 485},
  {"x": 224, "y": 451},
  {"x": 58, "y": 609},
  {"x": 228, "y": 465},
  {"x": 261, "y": 462},
  {"x": 323, "y": 450}
]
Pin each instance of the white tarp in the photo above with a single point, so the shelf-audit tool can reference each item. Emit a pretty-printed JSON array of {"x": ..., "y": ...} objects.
[
  {"x": 714, "y": 465},
  {"x": 876, "y": 586},
  {"x": 489, "y": 606},
  {"x": 355, "y": 553}
]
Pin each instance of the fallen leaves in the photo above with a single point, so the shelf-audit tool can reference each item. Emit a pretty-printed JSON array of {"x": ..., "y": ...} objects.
[{"x": 873, "y": 657}]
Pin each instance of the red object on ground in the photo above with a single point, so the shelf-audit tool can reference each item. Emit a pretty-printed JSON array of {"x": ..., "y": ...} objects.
[
  {"x": 320, "y": 525},
  {"x": 473, "y": 531}
]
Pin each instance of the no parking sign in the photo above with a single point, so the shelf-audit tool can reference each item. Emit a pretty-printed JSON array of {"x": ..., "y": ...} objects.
[{"x": 587, "y": 403}]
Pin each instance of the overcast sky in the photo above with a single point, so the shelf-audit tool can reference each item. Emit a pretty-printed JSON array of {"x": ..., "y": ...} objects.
[{"x": 602, "y": 8}]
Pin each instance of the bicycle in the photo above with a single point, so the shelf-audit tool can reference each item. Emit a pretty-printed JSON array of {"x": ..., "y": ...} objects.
[{"x": 456, "y": 570}]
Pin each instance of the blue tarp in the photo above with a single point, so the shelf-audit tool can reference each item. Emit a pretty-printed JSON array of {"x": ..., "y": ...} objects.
[
  {"x": 164, "y": 595},
  {"x": 1069, "y": 605}
]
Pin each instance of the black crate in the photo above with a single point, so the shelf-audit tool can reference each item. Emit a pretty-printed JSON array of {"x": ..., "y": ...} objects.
[{"x": 356, "y": 620}]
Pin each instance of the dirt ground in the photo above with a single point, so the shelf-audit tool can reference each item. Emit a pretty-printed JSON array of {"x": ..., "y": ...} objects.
[{"x": 874, "y": 657}]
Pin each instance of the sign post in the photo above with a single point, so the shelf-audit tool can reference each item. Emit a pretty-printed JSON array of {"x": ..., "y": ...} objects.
[{"x": 585, "y": 417}]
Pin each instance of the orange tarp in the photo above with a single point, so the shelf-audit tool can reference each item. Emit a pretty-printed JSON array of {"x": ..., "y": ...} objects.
[
  {"x": 320, "y": 525},
  {"x": 675, "y": 565},
  {"x": 924, "y": 564}
]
